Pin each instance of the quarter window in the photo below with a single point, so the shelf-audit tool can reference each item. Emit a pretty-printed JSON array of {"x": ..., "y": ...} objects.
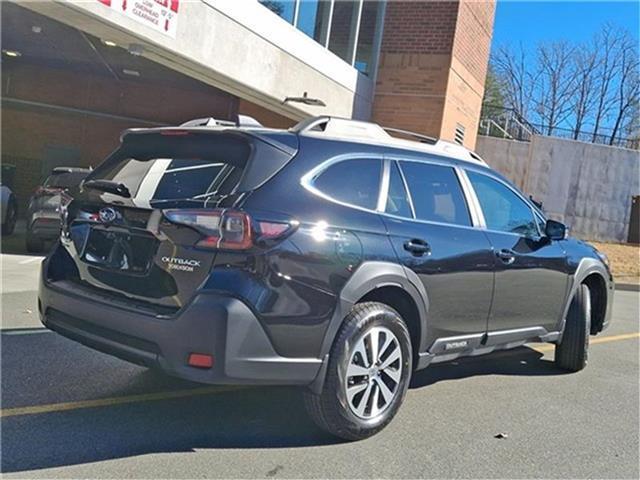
[
  {"x": 503, "y": 210},
  {"x": 436, "y": 193},
  {"x": 355, "y": 182}
]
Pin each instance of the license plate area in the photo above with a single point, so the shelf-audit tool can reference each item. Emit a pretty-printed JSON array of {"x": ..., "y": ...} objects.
[{"x": 121, "y": 251}]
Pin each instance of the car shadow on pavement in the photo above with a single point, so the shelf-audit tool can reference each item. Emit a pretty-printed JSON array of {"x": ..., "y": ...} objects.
[
  {"x": 44, "y": 368},
  {"x": 519, "y": 361}
]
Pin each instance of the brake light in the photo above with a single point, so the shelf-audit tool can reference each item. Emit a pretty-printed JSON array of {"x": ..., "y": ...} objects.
[
  {"x": 228, "y": 229},
  {"x": 48, "y": 190}
]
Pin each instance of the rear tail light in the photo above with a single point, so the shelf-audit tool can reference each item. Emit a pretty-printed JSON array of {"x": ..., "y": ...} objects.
[
  {"x": 48, "y": 190},
  {"x": 228, "y": 229}
]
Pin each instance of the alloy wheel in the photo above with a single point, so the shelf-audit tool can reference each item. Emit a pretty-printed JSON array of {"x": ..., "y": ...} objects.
[{"x": 374, "y": 373}]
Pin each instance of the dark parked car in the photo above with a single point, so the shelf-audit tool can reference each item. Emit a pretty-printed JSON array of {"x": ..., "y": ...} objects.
[
  {"x": 43, "y": 213},
  {"x": 8, "y": 203},
  {"x": 332, "y": 256}
]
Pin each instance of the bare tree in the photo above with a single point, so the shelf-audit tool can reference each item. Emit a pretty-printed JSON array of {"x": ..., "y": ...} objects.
[
  {"x": 573, "y": 88},
  {"x": 513, "y": 70},
  {"x": 585, "y": 67},
  {"x": 627, "y": 92},
  {"x": 606, "y": 41},
  {"x": 556, "y": 84}
]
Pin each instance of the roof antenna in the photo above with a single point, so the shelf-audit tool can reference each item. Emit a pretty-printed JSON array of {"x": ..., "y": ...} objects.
[{"x": 316, "y": 102}]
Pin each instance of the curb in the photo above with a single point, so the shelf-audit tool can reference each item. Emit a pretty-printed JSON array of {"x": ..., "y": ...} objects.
[{"x": 628, "y": 287}]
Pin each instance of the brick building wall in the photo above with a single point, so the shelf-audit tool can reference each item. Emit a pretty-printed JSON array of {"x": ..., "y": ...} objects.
[
  {"x": 432, "y": 66},
  {"x": 33, "y": 134}
]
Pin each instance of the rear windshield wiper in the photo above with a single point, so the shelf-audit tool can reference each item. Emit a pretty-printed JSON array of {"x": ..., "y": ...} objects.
[{"x": 109, "y": 187}]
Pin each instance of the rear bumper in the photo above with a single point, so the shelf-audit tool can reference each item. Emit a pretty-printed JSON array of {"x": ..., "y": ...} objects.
[{"x": 213, "y": 324}]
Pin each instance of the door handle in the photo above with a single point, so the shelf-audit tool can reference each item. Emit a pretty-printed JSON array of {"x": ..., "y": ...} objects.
[
  {"x": 417, "y": 247},
  {"x": 507, "y": 256}
]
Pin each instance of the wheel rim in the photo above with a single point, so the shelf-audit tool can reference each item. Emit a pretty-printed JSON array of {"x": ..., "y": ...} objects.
[{"x": 374, "y": 373}]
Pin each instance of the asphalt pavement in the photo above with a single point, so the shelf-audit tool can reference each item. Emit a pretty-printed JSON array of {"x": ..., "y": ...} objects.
[{"x": 68, "y": 411}]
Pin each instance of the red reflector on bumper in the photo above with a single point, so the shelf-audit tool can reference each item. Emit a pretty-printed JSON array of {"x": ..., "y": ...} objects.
[{"x": 200, "y": 360}]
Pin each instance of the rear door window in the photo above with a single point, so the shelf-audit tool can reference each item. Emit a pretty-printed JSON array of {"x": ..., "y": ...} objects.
[
  {"x": 355, "y": 182},
  {"x": 436, "y": 193}
]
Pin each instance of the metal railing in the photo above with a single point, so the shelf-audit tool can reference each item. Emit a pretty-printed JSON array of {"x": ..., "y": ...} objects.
[{"x": 508, "y": 123}]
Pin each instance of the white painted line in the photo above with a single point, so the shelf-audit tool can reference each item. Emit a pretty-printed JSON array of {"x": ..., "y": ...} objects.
[{"x": 31, "y": 260}]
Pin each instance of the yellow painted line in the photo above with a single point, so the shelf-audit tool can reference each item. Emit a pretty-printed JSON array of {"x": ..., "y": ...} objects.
[
  {"x": 107, "y": 402},
  {"x": 149, "y": 397},
  {"x": 594, "y": 341}
]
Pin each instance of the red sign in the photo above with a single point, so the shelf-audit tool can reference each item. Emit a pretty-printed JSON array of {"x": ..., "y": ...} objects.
[{"x": 161, "y": 15}]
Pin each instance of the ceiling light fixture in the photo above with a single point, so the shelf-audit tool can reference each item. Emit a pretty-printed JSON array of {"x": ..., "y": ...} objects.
[
  {"x": 110, "y": 43},
  {"x": 11, "y": 53},
  {"x": 136, "y": 49}
]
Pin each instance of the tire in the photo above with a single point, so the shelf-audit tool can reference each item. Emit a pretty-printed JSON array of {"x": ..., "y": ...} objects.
[
  {"x": 357, "y": 416},
  {"x": 33, "y": 244},
  {"x": 572, "y": 352},
  {"x": 9, "y": 224}
]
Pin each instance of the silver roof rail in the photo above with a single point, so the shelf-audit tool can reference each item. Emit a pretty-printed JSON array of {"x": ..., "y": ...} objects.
[
  {"x": 421, "y": 138},
  {"x": 357, "y": 130}
]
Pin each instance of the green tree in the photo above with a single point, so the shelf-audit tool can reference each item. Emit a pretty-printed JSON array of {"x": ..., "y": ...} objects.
[{"x": 493, "y": 102}]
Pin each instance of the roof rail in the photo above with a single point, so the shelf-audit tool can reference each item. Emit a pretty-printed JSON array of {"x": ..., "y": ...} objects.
[
  {"x": 421, "y": 138},
  {"x": 347, "y": 129},
  {"x": 346, "y": 126}
]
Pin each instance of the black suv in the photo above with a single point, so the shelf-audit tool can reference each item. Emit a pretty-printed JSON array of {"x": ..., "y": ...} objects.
[{"x": 333, "y": 256}]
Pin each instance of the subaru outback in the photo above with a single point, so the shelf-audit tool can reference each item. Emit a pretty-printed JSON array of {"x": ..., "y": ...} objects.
[{"x": 338, "y": 256}]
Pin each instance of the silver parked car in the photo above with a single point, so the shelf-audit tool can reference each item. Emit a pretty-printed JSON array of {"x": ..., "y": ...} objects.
[{"x": 43, "y": 214}]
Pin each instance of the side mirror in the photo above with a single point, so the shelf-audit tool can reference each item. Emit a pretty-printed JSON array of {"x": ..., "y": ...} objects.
[{"x": 555, "y": 230}]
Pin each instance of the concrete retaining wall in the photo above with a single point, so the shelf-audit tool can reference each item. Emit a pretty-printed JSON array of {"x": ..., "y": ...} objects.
[{"x": 587, "y": 186}]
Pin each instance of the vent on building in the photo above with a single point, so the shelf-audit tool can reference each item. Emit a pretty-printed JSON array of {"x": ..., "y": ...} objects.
[{"x": 459, "y": 135}]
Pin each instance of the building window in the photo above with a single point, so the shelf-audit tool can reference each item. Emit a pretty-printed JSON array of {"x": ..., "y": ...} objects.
[
  {"x": 313, "y": 19},
  {"x": 459, "y": 134},
  {"x": 343, "y": 29},
  {"x": 369, "y": 20},
  {"x": 283, "y": 8},
  {"x": 349, "y": 28}
]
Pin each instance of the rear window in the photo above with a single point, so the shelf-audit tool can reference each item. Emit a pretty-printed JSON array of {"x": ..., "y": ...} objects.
[
  {"x": 355, "y": 182},
  {"x": 168, "y": 179},
  {"x": 179, "y": 165},
  {"x": 65, "y": 180}
]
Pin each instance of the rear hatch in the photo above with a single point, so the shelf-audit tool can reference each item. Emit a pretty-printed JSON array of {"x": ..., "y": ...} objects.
[{"x": 146, "y": 225}]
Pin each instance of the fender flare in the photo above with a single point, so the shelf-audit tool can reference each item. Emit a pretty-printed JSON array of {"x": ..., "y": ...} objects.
[
  {"x": 586, "y": 267},
  {"x": 369, "y": 276}
]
